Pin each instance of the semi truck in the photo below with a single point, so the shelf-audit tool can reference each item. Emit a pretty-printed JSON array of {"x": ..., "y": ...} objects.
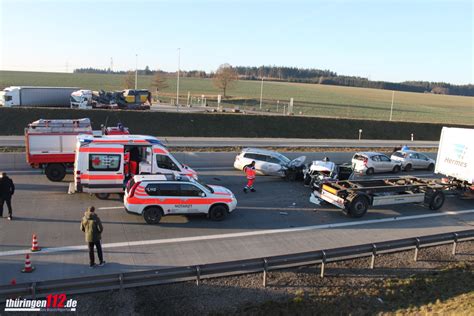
[
  {"x": 455, "y": 161},
  {"x": 50, "y": 144},
  {"x": 19, "y": 96}
]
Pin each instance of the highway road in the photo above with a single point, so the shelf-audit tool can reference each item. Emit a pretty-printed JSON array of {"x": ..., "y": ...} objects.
[
  {"x": 277, "y": 219},
  {"x": 18, "y": 141}
]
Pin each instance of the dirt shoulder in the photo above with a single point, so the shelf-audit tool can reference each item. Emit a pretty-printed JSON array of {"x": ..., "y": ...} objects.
[{"x": 437, "y": 283}]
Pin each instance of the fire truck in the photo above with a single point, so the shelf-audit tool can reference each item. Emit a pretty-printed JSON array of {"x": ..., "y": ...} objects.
[
  {"x": 50, "y": 144},
  {"x": 104, "y": 165}
]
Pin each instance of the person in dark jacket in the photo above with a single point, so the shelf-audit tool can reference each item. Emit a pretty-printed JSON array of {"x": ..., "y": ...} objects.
[
  {"x": 92, "y": 228},
  {"x": 7, "y": 189}
]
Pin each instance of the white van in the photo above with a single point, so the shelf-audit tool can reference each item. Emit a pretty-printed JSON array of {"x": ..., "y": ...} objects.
[{"x": 103, "y": 165}]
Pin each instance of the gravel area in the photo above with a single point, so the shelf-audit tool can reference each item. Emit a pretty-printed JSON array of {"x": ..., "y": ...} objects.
[{"x": 348, "y": 287}]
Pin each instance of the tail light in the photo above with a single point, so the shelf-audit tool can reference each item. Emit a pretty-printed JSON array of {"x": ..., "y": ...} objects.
[
  {"x": 365, "y": 161},
  {"x": 78, "y": 176},
  {"x": 132, "y": 190}
]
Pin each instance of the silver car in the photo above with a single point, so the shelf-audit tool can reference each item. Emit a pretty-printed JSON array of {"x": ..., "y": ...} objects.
[
  {"x": 411, "y": 159},
  {"x": 372, "y": 162}
]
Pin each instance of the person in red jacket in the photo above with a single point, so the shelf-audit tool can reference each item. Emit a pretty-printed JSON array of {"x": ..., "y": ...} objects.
[{"x": 250, "y": 173}]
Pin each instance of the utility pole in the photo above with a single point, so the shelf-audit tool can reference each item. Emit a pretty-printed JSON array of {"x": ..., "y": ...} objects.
[
  {"x": 136, "y": 71},
  {"x": 261, "y": 94},
  {"x": 391, "y": 108},
  {"x": 177, "y": 85}
]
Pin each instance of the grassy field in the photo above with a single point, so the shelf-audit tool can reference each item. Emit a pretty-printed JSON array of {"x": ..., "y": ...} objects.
[{"x": 309, "y": 99}]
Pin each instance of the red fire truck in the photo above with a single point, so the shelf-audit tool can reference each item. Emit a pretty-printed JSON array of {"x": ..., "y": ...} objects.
[{"x": 51, "y": 144}]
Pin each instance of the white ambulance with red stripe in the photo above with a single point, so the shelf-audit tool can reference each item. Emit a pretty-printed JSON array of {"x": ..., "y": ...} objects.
[
  {"x": 103, "y": 165},
  {"x": 155, "y": 196}
]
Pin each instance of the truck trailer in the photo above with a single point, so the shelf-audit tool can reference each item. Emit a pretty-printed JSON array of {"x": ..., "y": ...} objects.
[{"x": 25, "y": 96}]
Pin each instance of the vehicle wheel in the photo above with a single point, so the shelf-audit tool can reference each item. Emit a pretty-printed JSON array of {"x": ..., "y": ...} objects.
[
  {"x": 358, "y": 206},
  {"x": 217, "y": 213},
  {"x": 431, "y": 167},
  {"x": 408, "y": 167},
  {"x": 396, "y": 169},
  {"x": 436, "y": 200},
  {"x": 102, "y": 196},
  {"x": 152, "y": 215},
  {"x": 369, "y": 171},
  {"x": 55, "y": 172}
]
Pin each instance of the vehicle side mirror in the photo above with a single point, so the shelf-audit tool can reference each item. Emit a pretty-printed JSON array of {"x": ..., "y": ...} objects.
[{"x": 202, "y": 194}]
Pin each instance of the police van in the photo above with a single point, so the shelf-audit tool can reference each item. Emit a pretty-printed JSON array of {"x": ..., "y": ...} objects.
[
  {"x": 154, "y": 196},
  {"x": 103, "y": 165}
]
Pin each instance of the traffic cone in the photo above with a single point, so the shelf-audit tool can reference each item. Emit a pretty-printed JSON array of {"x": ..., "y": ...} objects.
[
  {"x": 28, "y": 267},
  {"x": 34, "y": 244}
]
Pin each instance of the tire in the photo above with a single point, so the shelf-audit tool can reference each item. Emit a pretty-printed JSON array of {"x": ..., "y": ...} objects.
[
  {"x": 152, "y": 215},
  {"x": 358, "y": 206},
  {"x": 396, "y": 169},
  {"x": 217, "y": 213},
  {"x": 431, "y": 167},
  {"x": 408, "y": 167},
  {"x": 369, "y": 171},
  {"x": 436, "y": 200},
  {"x": 55, "y": 172},
  {"x": 102, "y": 196}
]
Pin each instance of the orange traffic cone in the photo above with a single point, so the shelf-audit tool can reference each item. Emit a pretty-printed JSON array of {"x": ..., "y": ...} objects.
[
  {"x": 28, "y": 268},
  {"x": 34, "y": 244}
]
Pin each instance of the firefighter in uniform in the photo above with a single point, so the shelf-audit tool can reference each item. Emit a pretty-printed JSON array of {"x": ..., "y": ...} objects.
[{"x": 250, "y": 172}]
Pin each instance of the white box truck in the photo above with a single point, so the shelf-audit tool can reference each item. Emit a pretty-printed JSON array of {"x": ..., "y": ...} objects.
[
  {"x": 456, "y": 156},
  {"x": 19, "y": 96}
]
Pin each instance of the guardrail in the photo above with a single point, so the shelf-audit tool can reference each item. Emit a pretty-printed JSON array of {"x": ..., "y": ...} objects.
[{"x": 263, "y": 265}]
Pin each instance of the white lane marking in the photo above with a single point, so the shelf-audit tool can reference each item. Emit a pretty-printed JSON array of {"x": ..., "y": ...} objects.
[
  {"x": 111, "y": 208},
  {"x": 234, "y": 235}
]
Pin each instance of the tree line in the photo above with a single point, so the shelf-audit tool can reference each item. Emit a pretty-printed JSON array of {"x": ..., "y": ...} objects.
[{"x": 307, "y": 75}]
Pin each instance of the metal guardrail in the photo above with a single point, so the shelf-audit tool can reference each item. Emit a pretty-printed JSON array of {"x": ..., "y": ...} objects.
[{"x": 198, "y": 272}]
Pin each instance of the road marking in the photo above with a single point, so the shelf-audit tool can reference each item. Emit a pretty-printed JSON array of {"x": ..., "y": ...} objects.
[{"x": 235, "y": 235}]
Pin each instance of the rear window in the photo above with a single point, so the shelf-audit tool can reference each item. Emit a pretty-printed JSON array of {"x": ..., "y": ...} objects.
[
  {"x": 398, "y": 154},
  {"x": 104, "y": 162},
  {"x": 359, "y": 157}
]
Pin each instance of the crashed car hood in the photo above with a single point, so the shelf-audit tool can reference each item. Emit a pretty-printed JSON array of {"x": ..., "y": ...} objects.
[{"x": 298, "y": 162}]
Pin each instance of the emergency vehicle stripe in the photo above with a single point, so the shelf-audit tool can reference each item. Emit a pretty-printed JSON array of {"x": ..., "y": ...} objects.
[
  {"x": 130, "y": 141},
  {"x": 100, "y": 150},
  {"x": 101, "y": 176},
  {"x": 160, "y": 151},
  {"x": 177, "y": 201}
]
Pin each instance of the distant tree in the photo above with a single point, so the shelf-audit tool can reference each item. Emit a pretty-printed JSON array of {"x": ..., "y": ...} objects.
[
  {"x": 440, "y": 90},
  {"x": 129, "y": 80},
  {"x": 148, "y": 71},
  {"x": 158, "y": 82},
  {"x": 224, "y": 78}
]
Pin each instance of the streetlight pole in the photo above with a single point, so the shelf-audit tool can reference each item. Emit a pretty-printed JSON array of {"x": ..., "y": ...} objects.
[
  {"x": 261, "y": 94},
  {"x": 177, "y": 85},
  {"x": 391, "y": 107},
  {"x": 136, "y": 71}
]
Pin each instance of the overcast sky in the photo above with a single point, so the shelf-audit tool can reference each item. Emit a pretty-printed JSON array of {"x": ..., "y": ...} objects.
[{"x": 382, "y": 40}]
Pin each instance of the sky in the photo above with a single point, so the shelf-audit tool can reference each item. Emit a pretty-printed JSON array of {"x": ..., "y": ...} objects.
[{"x": 379, "y": 39}]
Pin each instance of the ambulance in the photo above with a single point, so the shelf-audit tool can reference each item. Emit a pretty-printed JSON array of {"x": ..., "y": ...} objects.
[
  {"x": 103, "y": 165},
  {"x": 155, "y": 196}
]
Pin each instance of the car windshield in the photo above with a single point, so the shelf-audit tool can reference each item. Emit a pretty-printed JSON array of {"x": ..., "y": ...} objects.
[{"x": 205, "y": 185}]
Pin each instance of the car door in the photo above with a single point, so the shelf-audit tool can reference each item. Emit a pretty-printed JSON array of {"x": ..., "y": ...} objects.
[
  {"x": 260, "y": 163},
  {"x": 272, "y": 166},
  {"x": 169, "y": 197},
  {"x": 193, "y": 199},
  {"x": 105, "y": 171},
  {"x": 386, "y": 163},
  {"x": 165, "y": 164},
  {"x": 424, "y": 161},
  {"x": 377, "y": 164}
]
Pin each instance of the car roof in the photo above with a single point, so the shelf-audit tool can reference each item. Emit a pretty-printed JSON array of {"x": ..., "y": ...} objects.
[
  {"x": 408, "y": 151},
  {"x": 369, "y": 153},
  {"x": 161, "y": 177},
  {"x": 260, "y": 151}
]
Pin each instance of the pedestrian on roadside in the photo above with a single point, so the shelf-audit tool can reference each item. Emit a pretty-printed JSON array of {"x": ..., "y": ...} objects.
[
  {"x": 92, "y": 227},
  {"x": 250, "y": 173},
  {"x": 7, "y": 189}
]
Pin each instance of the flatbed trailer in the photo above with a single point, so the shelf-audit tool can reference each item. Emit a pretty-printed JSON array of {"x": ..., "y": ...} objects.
[{"x": 355, "y": 197}]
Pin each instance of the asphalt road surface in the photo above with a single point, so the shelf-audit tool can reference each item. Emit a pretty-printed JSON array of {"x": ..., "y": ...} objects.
[
  {"x": 19, "y": 141},
  {"x": 277, "y": 219}
]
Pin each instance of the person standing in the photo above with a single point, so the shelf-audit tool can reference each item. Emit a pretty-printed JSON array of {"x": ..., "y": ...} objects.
[
  {"x": 7, "y": 189},
  {"x": 250, "y": 173},
  {"x": 92, "y": 228}
]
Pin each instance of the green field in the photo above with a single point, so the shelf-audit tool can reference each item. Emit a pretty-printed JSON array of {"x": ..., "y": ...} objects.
[{"x": 309, "y": 99}]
